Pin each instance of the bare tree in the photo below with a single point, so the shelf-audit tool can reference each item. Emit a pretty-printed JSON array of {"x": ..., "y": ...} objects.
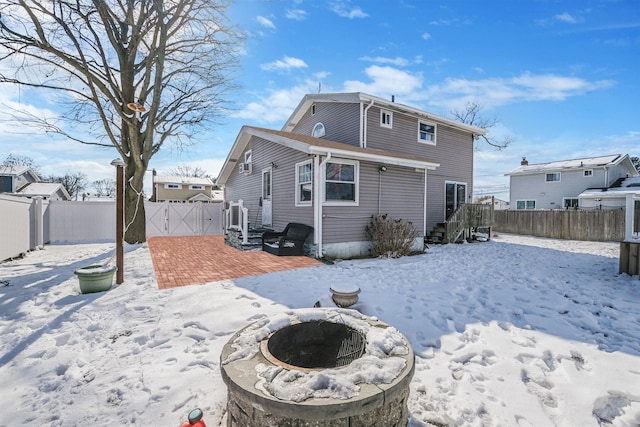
[
  {"x": 74, "y": 182},
  {"x": 471, "y": 115},
  {"x": 13, "y": 160},
  {"x": 635, "y": 160},
  {"x": 136, "y": 73},
  {"x": 104, "y": 187},
  {"x": 187, "y": 170}
]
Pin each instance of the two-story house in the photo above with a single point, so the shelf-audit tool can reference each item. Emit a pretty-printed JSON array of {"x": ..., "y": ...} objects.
[
  {"x": 22, "y": 181},
  {"x": 181, "y": 189},
  {"x": 557, "y": 185},
  {"x": 341, "y": 158}
]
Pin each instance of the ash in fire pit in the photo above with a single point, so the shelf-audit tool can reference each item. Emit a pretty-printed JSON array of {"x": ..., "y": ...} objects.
[
  {"x": 315, "y": 345},
  {"x": 317, "y": 367}
]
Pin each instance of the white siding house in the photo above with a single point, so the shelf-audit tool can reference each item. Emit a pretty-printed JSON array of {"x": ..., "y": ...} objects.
[{"x": 558, "y": 185}]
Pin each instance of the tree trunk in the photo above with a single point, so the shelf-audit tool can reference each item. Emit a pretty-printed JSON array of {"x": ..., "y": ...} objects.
[{"x": 134, "y": 214}]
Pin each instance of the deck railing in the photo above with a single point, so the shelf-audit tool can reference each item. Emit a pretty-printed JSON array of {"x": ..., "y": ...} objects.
[
  {"x": 467, "y": 216},
  {"x": 237, "y": 218}
]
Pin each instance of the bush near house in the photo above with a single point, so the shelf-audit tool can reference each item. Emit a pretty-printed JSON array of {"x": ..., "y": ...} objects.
[{"x": 390, "y": 237}]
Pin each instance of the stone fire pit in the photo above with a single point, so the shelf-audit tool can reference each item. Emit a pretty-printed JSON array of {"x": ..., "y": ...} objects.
[{"x": 317, "y": 367}]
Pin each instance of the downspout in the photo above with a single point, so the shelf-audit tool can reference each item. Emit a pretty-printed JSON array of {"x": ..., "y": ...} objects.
[
  {"x": 424, "y": 216},
  {"x": 318, "y": 201},
  {"x": 363, "y": 121}
]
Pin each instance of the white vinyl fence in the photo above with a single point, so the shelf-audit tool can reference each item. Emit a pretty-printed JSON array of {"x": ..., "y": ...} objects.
[{"x": 26, "y": 224}]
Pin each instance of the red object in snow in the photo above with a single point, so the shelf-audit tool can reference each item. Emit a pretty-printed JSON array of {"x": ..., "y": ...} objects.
[{"x": 194, "y": 419}]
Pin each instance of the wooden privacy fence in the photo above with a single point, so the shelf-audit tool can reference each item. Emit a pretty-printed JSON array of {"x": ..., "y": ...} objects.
[{"x": 599, "y": 226}]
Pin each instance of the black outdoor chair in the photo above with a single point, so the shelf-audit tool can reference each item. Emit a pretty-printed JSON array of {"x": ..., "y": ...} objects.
[{"x": 289, "y": 242}]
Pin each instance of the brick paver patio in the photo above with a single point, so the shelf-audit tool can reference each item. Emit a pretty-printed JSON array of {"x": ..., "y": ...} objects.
[{"x": 190, "y": 260}]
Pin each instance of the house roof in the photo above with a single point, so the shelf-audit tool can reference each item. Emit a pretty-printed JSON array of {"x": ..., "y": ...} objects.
[
  {"x": 310, "y": 145},
  {"x": 44, "y": 189},
  {"x": 575, "y": 164},
  {"x": 17, "y": 171},
  {"x": 627, "y": 186},
  {"x": 186, "y": 180},
  {"x": 359, "y": 97}
]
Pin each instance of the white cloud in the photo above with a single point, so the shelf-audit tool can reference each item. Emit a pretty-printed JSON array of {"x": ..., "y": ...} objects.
[
  {"x": 278, "y": 105},
  {"x": 386, "y": 81},
  {"x": 265, "y": 22},
  {"x": 566, "y": 17},
  {"x": 286, "y": 63},
  {"x": 343, "y": 9},
  {"x": 454, "y": 93},
  {"x": 296, "y": 14},
  {"x": 426, "y": 36},
  {"x": 397, "y": 61}
]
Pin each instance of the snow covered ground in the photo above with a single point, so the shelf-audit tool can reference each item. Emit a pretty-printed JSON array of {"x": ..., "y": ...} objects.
[{"x": 518, "y": 331}]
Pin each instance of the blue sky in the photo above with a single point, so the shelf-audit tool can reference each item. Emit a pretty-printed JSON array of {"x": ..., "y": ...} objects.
[{"x": 561, "y": 77}]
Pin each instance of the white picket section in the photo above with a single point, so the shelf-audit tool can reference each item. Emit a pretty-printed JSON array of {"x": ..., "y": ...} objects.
[{"x": 15, "y": 229}]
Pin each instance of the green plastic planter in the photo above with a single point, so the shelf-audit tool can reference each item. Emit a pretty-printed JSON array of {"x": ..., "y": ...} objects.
[{"x": 95, "y": 278}]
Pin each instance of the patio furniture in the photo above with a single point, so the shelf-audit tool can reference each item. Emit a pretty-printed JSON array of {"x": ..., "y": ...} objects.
[{"x": 288, "y": 242}]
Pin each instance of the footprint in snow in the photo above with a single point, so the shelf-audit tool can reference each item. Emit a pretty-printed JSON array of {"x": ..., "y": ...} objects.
[
  {"x": 607, "y": 408},
  {"x": 540, "y": 388}
]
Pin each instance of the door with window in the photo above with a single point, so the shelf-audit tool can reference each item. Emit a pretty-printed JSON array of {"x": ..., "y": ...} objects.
[
  {"x": 267, "y": 219},
  {"x": 455, "y": 195}
]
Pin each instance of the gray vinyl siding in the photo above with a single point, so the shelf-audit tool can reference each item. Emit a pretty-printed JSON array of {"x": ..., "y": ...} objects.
[
  {"x": 341, "y": 122},
  {"x": 249, "y": 187},
  {"x": 402, "y": 197}
]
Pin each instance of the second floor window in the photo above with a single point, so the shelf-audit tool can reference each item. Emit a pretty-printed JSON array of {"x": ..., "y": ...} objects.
[
  {"x": 386, "y": 119},
  {"x": 427, "y": 133},
  {"x": 196, "y": 187},
  {"x": 173, "y": 186},
  {"x": 588, "y": 172},
  {"x": 553, "y": 177}
]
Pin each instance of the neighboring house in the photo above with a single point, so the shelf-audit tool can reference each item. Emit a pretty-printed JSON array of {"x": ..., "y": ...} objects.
[
  {"x": 342, "y": 158},
  {"x": 557, "y": 185},
  {"x": 13, "y": 178},
  {"x": 613, "y": 197},
  {"x": 24, "y": 182},
  {"x": 498, "y": 204},
  {"x": 181, "y": 189},
  {"x": 46, "y": 190}
]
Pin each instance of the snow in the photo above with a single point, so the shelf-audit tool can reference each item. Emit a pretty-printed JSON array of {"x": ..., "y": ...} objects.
[{"x": 517, "y": 331}]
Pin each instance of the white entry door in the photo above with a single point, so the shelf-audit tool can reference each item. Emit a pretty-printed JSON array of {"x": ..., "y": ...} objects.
[{"x": 267, "y": 219}]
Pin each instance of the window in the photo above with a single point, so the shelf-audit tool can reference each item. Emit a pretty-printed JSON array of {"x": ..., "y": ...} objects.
[
  {"x": 247, "y": 156},
  {"x": 318, "y": 131},
  {"x": 304, "y": 186},
  {"x": 426, "y": 133},
  {"x": 341, "y": 183},
  {"x": 588, "y": 172},
  {"x": 313, "y": 109},
  {"x": 386, "y": 119},
  {"x": 196, "y": 187},
  {"x": 173, "y": 186},
  {"x": 553, "y": 177},
  {"x": 570, "y": 203},
  {"x": 525, "y": 204}
]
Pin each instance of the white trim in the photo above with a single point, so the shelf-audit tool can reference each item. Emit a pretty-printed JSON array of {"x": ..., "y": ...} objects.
[
  {"x": 298, "y": 202},
  {"x": 552, "y": 173},
  {"x": 356, "y": 183},
  {"x": 435, "y": 131},
  {"x": 386, "y": 119},
  {"x": 525, "y": 204}
]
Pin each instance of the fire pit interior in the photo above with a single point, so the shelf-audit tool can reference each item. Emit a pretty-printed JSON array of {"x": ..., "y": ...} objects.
[
  {"x": 316, "y": 345},
  {"x": 317, "y": 367}
]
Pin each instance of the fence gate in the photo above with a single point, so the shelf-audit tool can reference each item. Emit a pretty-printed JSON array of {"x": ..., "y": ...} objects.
[{"x": 184, "y": 219}]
